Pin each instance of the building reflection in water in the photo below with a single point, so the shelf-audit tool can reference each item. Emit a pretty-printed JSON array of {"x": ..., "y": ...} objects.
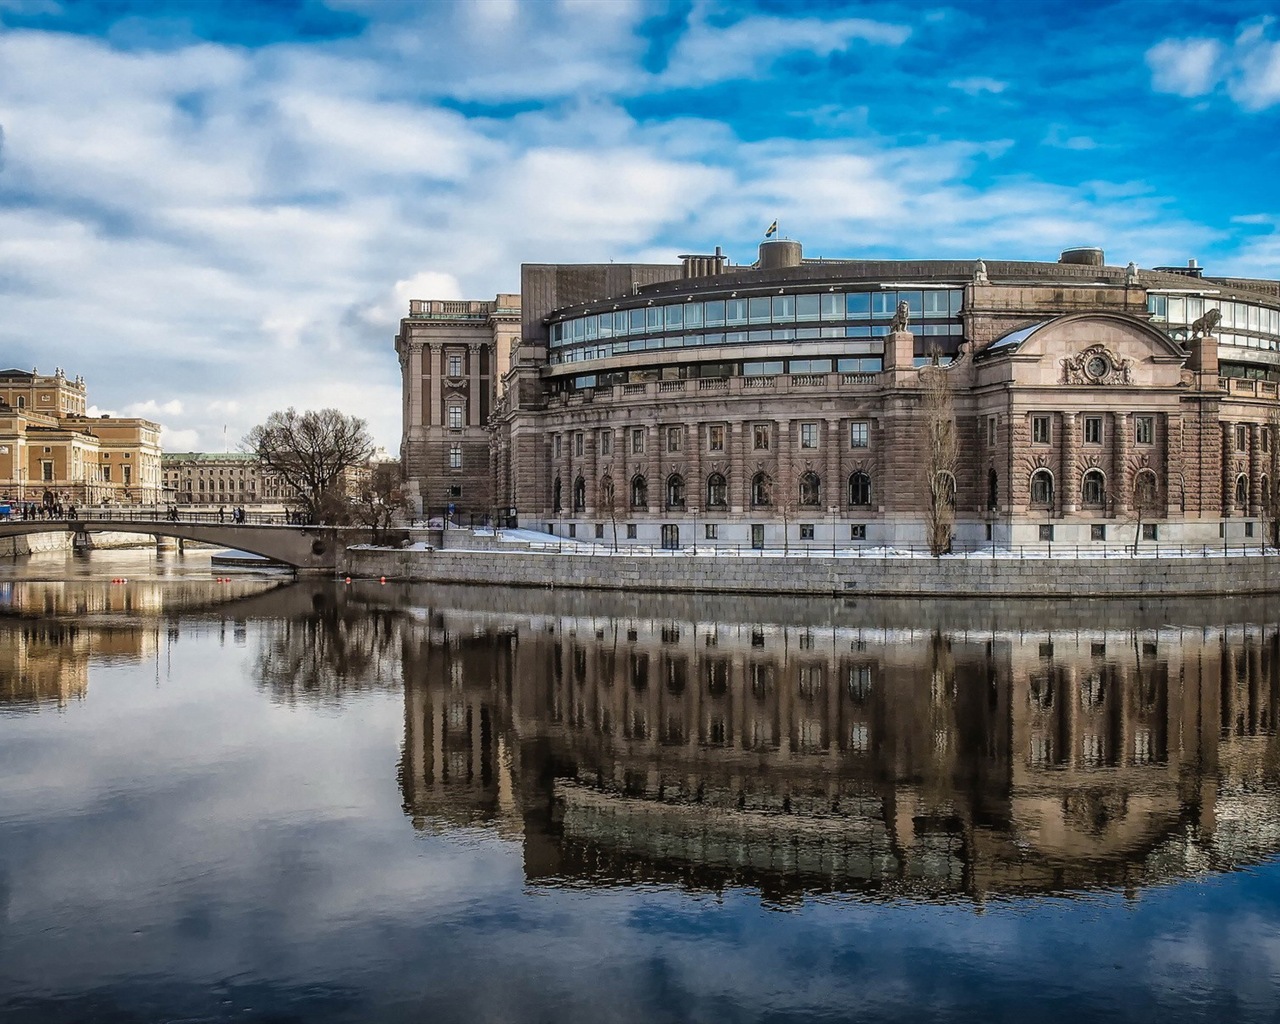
[{"x": 891, "y": 761}]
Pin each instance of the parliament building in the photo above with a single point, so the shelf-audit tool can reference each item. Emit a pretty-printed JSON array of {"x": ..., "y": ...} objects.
[{"x": 792, "y": 402}]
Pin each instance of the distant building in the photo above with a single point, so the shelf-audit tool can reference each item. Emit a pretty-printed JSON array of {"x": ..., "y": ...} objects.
[
  {"x": 50, "y": 450},
  {"x": 237, "y": 478}
]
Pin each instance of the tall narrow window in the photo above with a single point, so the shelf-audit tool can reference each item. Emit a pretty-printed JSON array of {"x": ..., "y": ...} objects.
[
  {"x": 1040, "y": 429},
  {"x": 760, "y": 433},
  {"x": 715, "y": 438},
  {"x": 1093, "y": 430},
  {"x": 1042, "y": 488},
  {"x": 1144, "y": 429},
  {"x": 675, "y": 491},
  {"x": 455, "y": 456},
  {"x": 639, "y": 493},
  {"x": 859, "y": 489},
  {"x": 1093, "y": 489},
  {"x": 675, "y": 435},
  {"x": 808, "y": 435},
  {"x": 717, "y": 491},
  {"x": 859, "y": 434},
  {"x": 579, "y": 494},
  {"x": 810, "y": 490},
  {"x": 761, "y": 490}
]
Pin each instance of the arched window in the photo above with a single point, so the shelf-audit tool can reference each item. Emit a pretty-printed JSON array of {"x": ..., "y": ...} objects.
[
  {"x": 859, "y": 489},
  {"x": 579, "y": 494},
  {"x": 717, "y": 491},
  {"x": 1093, "y": 489},
  {"x": 675, "y": 491},
  {"x": 1145, "y": 490},
  {"x": 761, "y": 490},
  {"x": 993, "y": 490},
  {"x": 1242, "y": 490},
  {"x": 1042, "y": 488},
  {"x": 810, "y": 490},
  {"x": 639, "y": 492},
  {"x": 556, "y": 499},
  {"x": 947, "y": 488}
]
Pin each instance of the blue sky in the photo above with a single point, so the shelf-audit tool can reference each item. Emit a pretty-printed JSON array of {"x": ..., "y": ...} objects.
[{"x": 213, "y": 210}]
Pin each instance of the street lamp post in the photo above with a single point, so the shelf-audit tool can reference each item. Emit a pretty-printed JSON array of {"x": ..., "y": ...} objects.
[
  {"x": 832, "y": 511},
  {"x": 693, "y": 510}
]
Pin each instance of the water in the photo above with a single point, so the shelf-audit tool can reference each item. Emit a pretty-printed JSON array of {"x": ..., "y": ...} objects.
[{"x": 254, "y": 801}]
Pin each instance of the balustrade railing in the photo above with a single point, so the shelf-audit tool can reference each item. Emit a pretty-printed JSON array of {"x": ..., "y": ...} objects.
[{"x": 755, "y": 383}]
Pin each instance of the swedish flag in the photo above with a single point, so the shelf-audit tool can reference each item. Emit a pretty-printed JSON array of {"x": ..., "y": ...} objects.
[{"x": 773, "y": 230}]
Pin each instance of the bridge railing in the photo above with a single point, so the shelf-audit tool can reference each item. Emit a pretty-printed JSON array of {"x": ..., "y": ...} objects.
[{"x": 160, "y": 515}]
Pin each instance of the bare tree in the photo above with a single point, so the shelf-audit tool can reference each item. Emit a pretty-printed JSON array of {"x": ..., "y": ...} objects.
[
  {"x": 609, "y": 504},
  {"x": 938, "y": 423},
  {"x": 311, "y": 452},
  {"x": 378, "y": 505},
  {"x": 1269, "y": 500}
]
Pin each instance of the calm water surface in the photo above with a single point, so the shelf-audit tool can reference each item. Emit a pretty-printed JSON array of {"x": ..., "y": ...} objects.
[{"x": 262, "y": 801}]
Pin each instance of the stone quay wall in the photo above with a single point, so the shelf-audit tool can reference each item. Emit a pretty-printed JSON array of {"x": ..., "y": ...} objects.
[{"x": 774, "y": 573}]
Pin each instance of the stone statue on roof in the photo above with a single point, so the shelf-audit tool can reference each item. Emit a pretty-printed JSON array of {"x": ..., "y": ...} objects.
[{"x": 901, "y": 318}]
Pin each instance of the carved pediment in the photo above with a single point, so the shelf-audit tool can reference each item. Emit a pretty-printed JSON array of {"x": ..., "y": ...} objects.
[{"x": 1096, "y": 365}]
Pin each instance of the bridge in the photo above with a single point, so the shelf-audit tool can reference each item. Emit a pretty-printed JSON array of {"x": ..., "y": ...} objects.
[{"x": 307, "y": 548}]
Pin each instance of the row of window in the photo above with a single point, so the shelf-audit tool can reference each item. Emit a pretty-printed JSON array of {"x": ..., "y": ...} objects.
[
  {"x": 809, "y": 494},
  {"x": 1179, "y": 310},
  {"x": 606, "y": 350},
  {"x": 762, "y": 438},
  {"x": 760, "y": 309}
]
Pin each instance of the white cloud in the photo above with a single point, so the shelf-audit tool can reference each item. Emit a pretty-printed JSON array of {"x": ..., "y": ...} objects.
[
  {"x": 1185, "y": 67},
  {"x": 709, "y": 53},
  {"x": 151, "y": 409},
  {"x": 976, "y": 86},
  {"x": 1249, "y": 66}
]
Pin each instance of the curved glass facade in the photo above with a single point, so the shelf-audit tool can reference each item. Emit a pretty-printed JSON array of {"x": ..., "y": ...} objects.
[
  {"x": 757, "y": 319},
  {"x": 1243, "y": 324}
]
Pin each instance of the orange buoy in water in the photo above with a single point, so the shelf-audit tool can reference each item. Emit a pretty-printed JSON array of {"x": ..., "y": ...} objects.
[{"x": 348, "y": 579}]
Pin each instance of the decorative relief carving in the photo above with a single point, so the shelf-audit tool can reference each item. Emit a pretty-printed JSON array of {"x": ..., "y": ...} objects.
[{"x": 1096, "y": 365}]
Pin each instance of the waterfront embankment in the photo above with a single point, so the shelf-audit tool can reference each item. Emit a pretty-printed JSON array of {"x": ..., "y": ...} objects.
[{"x": 773, "y": 572}]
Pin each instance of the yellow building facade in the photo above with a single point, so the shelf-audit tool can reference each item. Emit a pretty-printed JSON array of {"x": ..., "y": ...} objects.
[{"x": 52, "y": 451}]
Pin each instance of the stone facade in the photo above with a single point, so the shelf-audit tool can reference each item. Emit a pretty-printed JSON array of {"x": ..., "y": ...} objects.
[
  {"x": 454, "y": 358},
  {"x": 785, "y": 403}
]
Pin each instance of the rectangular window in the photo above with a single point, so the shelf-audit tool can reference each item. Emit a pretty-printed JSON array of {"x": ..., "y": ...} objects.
[
  {"x": 991, "y": 431},
  {"x": 1266, "y": 439},
  {"x": 599, "y": 531},
  {"x": 761, "y": 434},
  {"x": 578, "y": 443},
  {"x": 573, "y": 529},
  {"x": 455, "y": 417},
  {"x": 1248, "y": 527},
  {"x": 1098, "y": 531},
  {"x": 1242, "y": 437},
  {"x": 106, "y": 472},
  {"x": 712, "y": 531},
  {"x": 859, "y": 434},
  {"x": 858, "y": 531},
  {"x": 715, "y": 438},
  {"x": 1149, "y": 531},
  {"x": 757, "y": 536},
  {"x": 1144, "y": 429},
  {"x": 1040, "y": 429},
  {"x": 808, "y": 435},
  {"x": 455, "y": 491},
  {"x": 455, "y": 456},
  {"x": 455, "y": 366},
  {"x": 1093, "y": 430},
  {"x": 674, "y": 437},
  {"x": 1046, "y": 531},
  {"x": 606, "y": 442},
  {"x": 806, "y": 531},
  {"x": 631, "y": 531},
  {"x": 46, "y": 472},
  {"x": 637, "y": 441},
  {"x": 555, "y": 445}
]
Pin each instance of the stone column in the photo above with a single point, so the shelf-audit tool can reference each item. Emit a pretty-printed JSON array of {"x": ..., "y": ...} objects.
[
  {"x": 784, "y": 488},
  {"x": 414, "y": 389},
  {"x": 1118, "y": 485},
  {"x": 1068, "y": 489},
  {"x": 432, "y": 415},
  {"x": 832, "y": 484},
  {"x": 1228, "y": 478},
  {"x": 1255, "y": 469},
  {"x": 739, "y": 486},
  {"x": 696, "y": 485}
]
